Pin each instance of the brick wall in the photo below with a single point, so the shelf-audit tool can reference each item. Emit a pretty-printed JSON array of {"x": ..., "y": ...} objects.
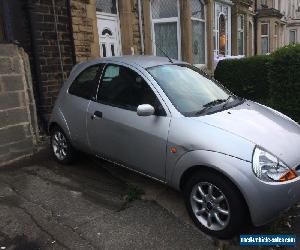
[
  {"x": 85, "y": 32},
  {"x": 55, "y": 49},
  {"x": 18, "y": 126}
]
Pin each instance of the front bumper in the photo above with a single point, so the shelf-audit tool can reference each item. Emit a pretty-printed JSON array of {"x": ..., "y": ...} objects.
[{"x": 266, "y": 201}]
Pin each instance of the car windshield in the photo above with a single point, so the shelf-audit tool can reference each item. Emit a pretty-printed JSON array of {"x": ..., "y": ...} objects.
[{"x": 189, "y": 91}]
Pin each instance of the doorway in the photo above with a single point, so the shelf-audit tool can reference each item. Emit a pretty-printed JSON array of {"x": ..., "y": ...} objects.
[{"x": 108, "y": 28}]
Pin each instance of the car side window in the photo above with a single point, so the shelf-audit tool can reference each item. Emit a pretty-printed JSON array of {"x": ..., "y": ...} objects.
[
  {"x": 85, "y": 84},
  {"x": 124, "y": 88}
]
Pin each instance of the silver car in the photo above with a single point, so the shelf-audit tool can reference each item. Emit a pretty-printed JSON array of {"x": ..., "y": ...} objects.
[{"x": 233, "y": 159}]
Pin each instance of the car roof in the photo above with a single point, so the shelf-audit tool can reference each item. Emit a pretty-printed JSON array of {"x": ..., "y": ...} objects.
[{"x": 142, "y": 61}]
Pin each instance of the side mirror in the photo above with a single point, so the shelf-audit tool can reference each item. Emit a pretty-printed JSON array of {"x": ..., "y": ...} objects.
[{"x": 145, "y": 110}]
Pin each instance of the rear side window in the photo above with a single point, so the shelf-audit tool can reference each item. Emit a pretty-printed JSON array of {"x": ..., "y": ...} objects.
[{"x": 85, "y": 84}]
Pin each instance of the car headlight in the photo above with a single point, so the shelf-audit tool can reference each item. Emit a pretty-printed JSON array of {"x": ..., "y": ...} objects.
[{"x": 269, "y": 168}]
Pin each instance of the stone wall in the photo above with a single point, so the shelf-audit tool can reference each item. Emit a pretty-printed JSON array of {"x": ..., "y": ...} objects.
[
  {"x": 18, "y": 122},
  {"x": 136, "y": 28},
  {"x": 85, "y": 32}
]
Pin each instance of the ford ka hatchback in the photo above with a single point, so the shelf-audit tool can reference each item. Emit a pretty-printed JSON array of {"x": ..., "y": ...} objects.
[{"x": 232, "y": 159}]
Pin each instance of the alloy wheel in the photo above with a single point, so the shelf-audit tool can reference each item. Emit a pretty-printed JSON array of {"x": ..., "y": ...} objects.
[
  {"x": 210, "y": 206},
  {"x": 59, "y": 145}
]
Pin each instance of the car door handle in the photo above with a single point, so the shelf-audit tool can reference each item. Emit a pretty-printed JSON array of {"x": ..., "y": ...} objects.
[{"x": 97, "y": 114}]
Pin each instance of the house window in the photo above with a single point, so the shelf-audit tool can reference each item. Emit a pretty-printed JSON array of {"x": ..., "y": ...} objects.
[
  {"x": 276, "y": 37},
  {"x": 222, "y": 35},
  {"x": 222, "y": 29},
  {"x": 251, "y": 38},
  {"x": 166, "y": 28},
  {"x": 265, "y": 38},
  {"x": 241, "y": 35},
  {"x": 106, "y": 6},
  {"x": 198, "y": 30},
  {"x": 293, "y": 35}
]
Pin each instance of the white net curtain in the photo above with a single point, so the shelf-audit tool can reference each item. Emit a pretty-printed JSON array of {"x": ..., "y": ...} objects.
[
  {"x": 166, "y": 28},
  {"x": 198, "y": 30},
  {"x": 165, "y": 17}
]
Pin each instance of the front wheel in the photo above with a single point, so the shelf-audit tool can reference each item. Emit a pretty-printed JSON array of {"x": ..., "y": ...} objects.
[
  {"x": 215, "y": 205},
  {"x": 61, "y": 147}
]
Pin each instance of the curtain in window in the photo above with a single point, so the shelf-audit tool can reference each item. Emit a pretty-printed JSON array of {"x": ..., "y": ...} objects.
[
  {"x": 240, "y": 35},
  {"x": 264, "y": 45},
  {"x": 166, "y": 39},
  {"x": 292, "y": 36},
  {"x": 198, "y": 46},
  {"x": 197, "y": 8}
]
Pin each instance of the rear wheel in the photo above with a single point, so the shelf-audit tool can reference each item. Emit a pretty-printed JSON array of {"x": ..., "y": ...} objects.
[
  {"x": 215, "y": 205},
  {"x": 61, "y": 147}
]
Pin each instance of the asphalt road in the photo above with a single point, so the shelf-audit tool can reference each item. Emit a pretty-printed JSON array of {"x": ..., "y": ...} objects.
[{"x": 44, "y": 205}]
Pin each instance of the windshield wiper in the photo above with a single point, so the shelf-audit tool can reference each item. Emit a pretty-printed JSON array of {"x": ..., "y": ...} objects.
[
  {"x": 228, "y": 100},
  {"x": 214, "y": 102},
  {"x": 209, "y": 105}
]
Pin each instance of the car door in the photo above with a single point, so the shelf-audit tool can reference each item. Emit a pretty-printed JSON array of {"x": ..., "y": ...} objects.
[
  {"x": 76, "y": 101},
  {"x": 115, "y": 131}
]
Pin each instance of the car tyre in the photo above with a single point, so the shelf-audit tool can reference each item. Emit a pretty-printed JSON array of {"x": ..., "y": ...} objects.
[
  {"x": 223, "y": 214},
  {"x": 61, "y": 148}
]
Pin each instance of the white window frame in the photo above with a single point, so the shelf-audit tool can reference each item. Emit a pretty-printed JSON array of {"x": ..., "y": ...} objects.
[
  {"x": 241, "y": 30},
  {"x": 216, "y": 28},
  {"x": 263, "y": 36},
  {"x": 166, "y": 20},
  {"x": 205, "y": 31}
]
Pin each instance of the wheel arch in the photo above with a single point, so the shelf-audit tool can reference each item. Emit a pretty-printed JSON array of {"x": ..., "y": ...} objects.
[
  {"x": 52, "y": 125},
  {"x": 235, "y": 170},
  {"x": 58, "y": 120},
  {"x": 188, "y": 173}
]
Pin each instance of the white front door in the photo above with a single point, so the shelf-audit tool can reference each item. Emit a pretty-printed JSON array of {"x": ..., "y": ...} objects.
[{"x": 109, "y": 34}]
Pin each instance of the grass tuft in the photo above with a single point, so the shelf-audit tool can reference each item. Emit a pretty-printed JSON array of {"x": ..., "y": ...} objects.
[{"x": 133, "y": 193}]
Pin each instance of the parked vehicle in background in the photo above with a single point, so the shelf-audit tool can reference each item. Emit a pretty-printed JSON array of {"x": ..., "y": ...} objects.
[{"x": 233, "y": 159}]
